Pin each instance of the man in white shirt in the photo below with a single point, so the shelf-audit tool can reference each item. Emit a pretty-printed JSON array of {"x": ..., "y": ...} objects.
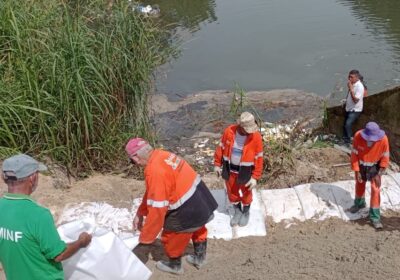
[{"x": 354, "y": 104}]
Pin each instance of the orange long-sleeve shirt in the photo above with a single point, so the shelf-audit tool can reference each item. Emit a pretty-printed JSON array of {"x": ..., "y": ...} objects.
[
  {"x": 252, "y": 151},
  {"x": 170, "y": 181},
  {"x": 368, "y": 156}
]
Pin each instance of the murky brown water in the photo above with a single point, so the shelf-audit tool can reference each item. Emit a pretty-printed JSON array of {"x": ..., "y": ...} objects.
[{"x": 308, "y": 45}]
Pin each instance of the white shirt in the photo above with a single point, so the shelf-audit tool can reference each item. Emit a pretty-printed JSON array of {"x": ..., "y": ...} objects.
[
  {"x": 237, "y": 149},
  {"x": 359, "y": 94}
]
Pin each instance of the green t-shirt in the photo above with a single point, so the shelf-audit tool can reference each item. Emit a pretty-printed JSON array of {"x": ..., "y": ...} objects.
[{"x": 29, "y": 240}]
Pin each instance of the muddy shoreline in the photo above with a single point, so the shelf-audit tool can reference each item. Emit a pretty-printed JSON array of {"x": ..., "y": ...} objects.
[
  {"x": 192, "y": 126},
  {"x": 210, "y": 111}
]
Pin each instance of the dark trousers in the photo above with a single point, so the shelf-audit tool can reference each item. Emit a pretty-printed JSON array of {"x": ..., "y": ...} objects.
[{"x": 351, "y": 117}]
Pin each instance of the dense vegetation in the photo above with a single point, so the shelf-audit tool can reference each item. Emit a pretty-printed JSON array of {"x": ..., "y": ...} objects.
[{"x": 74, "y": 79}]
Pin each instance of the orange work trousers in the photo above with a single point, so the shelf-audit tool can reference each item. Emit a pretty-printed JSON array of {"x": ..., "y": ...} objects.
[
  {"x": 375, "y": 191},
  {"x": 234, "y": 190},
  {"x": 175, "y": 242}
]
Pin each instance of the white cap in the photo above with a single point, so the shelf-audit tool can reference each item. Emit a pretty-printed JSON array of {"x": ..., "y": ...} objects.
[{"x": 247, "y": 122}]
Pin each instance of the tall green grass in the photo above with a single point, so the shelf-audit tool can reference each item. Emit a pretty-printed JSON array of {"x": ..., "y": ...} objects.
[{"x": 74, "y": 79}]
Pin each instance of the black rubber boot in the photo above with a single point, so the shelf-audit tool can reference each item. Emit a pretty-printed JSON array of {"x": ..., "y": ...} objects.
[
  {"x": 237, "y": 214},
  {"x": 355, "y": 208},
  {"x": 198, "y": 259},
  {"x": 173, "y": 265},
  {"x": 244, "y": 219}
]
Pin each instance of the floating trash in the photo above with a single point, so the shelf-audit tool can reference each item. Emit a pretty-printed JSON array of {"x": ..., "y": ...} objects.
[{"x": 147, "y": 10}]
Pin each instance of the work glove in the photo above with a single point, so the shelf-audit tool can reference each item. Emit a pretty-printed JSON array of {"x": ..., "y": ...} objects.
[
  {"x": 218, "y": 170},
  {"x": 251, "y": 184}
]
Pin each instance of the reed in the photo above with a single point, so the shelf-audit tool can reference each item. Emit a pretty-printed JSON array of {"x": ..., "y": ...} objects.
[{"x": 75, "y": 78}]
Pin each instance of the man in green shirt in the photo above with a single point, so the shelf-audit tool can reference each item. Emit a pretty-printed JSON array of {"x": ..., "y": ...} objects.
[{"x": 30, "y": 247}]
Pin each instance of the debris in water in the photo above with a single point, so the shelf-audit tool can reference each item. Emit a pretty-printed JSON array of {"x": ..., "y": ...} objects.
[{"x": 147, "y": 10}]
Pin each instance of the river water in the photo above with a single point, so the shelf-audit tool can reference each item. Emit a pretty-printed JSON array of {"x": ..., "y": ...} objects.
[{"x": 272, "y": 44}]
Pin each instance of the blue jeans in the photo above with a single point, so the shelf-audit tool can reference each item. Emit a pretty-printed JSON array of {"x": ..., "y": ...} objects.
[{"x": 350, "y": 118}]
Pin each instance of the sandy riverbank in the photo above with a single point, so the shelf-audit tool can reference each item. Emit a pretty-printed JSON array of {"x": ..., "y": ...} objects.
[{"x": 331, "y": 249}]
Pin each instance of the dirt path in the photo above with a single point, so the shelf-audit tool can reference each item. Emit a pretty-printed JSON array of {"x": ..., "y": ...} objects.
[{"x": 329, "y": 250}]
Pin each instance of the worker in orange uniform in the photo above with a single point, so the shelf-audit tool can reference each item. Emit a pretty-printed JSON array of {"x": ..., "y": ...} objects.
[
  {"x": 369, "y": 159},
  {"x": 176, "y": 201},
  {"x": 239, "y": 160}
]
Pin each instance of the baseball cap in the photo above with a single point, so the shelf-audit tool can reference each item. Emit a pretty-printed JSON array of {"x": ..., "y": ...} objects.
[
  {"x": 247, "y": 122},
  {"x": 21, "y": 166}
]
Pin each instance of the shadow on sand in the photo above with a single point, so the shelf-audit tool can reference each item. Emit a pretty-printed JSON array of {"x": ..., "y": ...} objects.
[
  {"x": 332, "y": 194},
  {"x": 335, "y": 195}
]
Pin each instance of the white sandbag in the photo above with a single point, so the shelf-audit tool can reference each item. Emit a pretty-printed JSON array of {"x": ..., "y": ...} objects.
[
  {"x": 106, "y": 257},
  {"x": 220, "y": 227},
  {"x": 117, "y": 220}
]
